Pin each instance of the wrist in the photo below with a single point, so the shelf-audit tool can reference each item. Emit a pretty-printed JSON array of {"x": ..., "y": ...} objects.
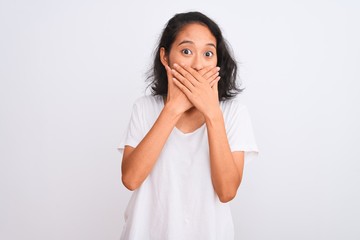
[
  {"x": 171, "y": 111},
  {"x": 214, "y": 116}
]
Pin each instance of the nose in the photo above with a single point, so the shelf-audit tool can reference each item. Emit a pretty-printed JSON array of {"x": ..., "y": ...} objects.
[{"x": 197, "y": 62}]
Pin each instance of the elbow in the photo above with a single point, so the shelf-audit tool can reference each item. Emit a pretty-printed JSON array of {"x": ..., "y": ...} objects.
[
  {"x": 229, "y": 193},
  {"x": 227, "y": 197},
  {"x": 130, "y": 185}
]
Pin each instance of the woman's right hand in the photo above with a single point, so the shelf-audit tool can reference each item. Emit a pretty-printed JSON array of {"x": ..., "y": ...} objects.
[{"x": 176, "y": 99}]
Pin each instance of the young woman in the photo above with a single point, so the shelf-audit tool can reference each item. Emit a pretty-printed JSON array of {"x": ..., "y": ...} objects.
[{"x": 183, "y": 155}]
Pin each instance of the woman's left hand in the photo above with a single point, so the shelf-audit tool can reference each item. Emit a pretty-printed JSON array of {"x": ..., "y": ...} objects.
[{"x": 199, "y": 91}]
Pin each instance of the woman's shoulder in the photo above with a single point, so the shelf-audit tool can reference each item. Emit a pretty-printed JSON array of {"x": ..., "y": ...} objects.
[
  {"x": 234, "y": 104},
  {"x": 149, "y": 101},
  {"x": 148, "y": 105}
]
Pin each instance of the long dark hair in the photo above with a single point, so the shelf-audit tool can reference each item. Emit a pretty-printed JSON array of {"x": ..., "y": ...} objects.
[{"x": 227, "y": 87}]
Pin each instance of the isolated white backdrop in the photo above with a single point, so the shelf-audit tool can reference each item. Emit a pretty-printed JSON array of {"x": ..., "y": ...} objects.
[{"x": 70, "y": 71}]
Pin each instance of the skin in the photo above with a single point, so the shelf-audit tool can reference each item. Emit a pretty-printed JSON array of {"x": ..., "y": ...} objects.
[{"x": 192, "y": 100}]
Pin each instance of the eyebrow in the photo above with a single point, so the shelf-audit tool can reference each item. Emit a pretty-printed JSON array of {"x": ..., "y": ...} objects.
[{"x": 191, "y": 42}]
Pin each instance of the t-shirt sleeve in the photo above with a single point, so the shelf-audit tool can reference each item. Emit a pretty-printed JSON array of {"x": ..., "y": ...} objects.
[
  {"x": 134, "y": 132},
  {"x": 240, "y": 131}
]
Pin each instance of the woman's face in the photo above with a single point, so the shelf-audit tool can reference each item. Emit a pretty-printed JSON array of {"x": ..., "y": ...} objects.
[{"x": 194, "y": 46}]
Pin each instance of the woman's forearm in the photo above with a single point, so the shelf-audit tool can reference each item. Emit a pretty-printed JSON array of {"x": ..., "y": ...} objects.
[
  {"x": 224, "y": 172},
  {"x": 138, "y": 162}
]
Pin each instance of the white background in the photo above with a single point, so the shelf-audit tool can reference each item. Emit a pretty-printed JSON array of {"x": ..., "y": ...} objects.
[{"x": 70, "y": 71}]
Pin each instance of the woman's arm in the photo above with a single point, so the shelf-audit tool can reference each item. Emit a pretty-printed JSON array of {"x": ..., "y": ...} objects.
[
  {"x": 138, "y": 162},
  {"x": 226, "y": 167}
]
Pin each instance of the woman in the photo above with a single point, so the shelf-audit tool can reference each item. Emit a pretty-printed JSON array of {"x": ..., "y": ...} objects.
[{"x": 183, "y": 155}]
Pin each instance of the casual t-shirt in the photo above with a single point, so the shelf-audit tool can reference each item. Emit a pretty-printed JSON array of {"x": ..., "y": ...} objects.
[{"x": 177, "y": 200}]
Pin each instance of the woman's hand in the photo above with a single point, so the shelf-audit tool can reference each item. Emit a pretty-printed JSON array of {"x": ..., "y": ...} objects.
[
  {"x": 175, "y": 97},
  {"x": 211, "y": 74},
  {"x": 201, "y": 90}
]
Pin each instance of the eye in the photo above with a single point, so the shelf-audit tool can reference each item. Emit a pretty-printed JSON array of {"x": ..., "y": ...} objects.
[
  {"x": 209, "y": 54},
  {"x": 186, "y": 51}
]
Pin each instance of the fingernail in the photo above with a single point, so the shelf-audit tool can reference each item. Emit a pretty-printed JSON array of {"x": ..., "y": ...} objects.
[
  {"x": 218, "y": 68},
  {"x": 175, "y": 65}
]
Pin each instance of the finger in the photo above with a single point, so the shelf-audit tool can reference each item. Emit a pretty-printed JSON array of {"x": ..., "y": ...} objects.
[
  {"x": 189, "y": 73},
  {"x": 216, "y": 85},
  {"x": 211, "y": 73},
  {"x": 205, "y": 70},
  {"x": 185, "y": 81},
  {"x": 215, "y": 82},
  {"x": 182, "y": 87},
  {"x": 213, "y": 77}
]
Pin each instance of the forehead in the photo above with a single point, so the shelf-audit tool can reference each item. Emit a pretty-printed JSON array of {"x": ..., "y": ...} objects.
[{"x": 197, "y": 33}]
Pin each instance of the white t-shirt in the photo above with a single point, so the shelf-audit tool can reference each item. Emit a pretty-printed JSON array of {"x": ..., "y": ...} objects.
[{"x": 177, "y": 200}]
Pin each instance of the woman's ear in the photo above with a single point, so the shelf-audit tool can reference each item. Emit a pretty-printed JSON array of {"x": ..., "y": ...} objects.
[{"x": 163, "y": 57}]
